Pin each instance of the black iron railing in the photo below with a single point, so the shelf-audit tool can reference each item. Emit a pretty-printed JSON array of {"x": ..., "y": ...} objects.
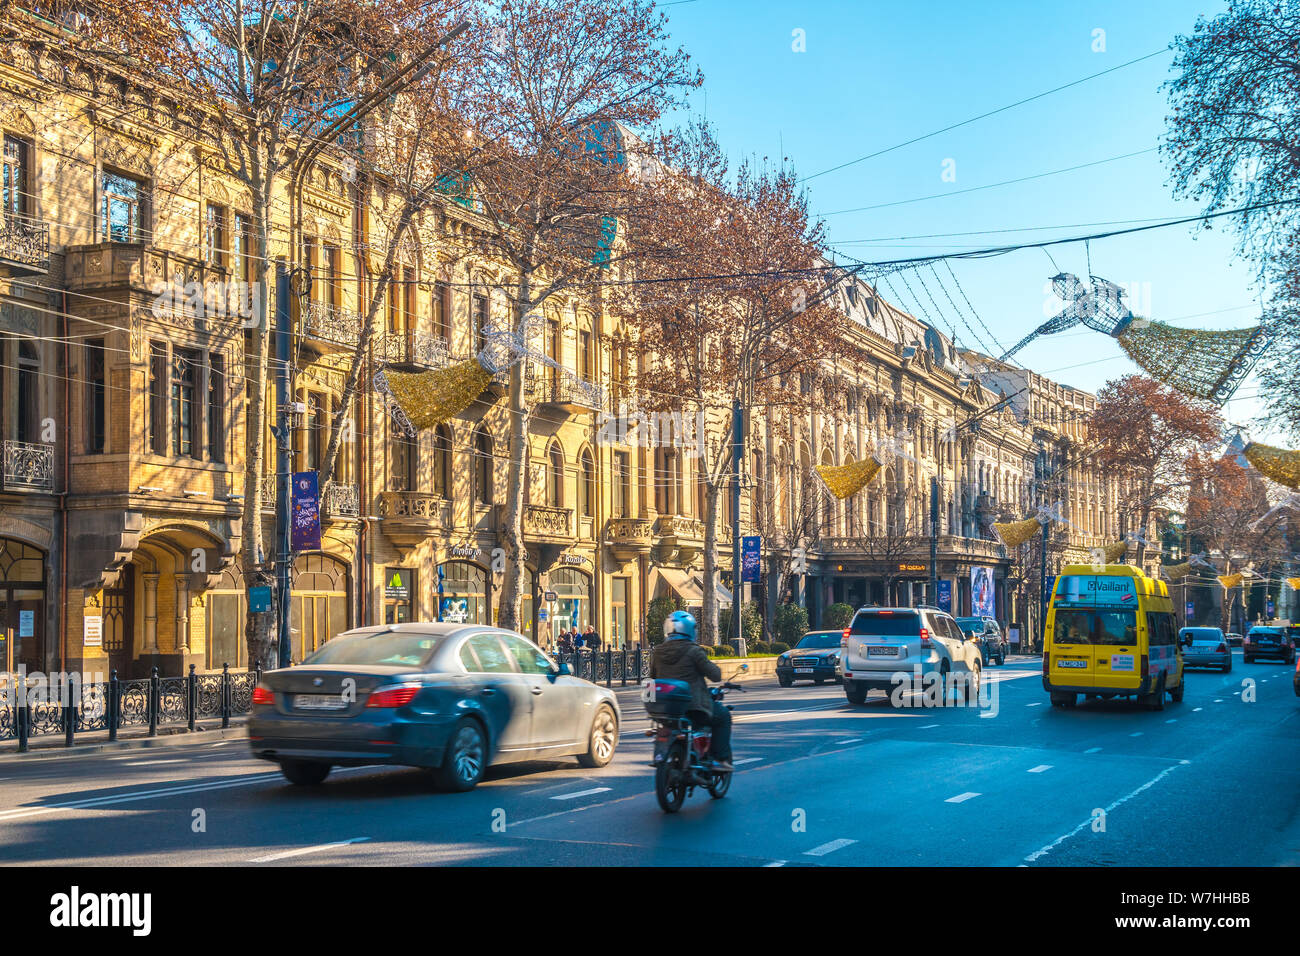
[
  {"x": 626, "y": 666},
  {"x": 73, "y": 707}
]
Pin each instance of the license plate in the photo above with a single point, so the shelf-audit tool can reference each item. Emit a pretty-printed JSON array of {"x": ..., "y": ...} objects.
[
  {"x": 319, "y": 702},
  {"x": 882, "y": 651},
  {"x": 803, "y": 670},
  {"x": 1071, "y": 663}
]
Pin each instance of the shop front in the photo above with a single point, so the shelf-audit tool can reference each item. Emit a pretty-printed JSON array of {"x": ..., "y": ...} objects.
[
  {"x": 462, "y": 591},
  {"x": 22, "y": 606}
]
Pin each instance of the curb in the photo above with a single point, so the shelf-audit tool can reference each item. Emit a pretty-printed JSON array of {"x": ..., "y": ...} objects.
[{"x": 184, "y": 738}]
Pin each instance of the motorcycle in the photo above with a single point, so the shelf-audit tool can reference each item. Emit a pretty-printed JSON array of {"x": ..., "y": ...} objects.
[{"x": 681, "y": 754}]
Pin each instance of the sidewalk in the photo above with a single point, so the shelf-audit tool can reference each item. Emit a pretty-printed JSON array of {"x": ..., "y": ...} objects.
[{"x": 128, "y": 738}]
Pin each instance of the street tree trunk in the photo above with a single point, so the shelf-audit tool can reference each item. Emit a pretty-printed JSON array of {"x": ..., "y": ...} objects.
[
  {"x": 512, "y": 518},
  {"x": 709, "y": 611}
]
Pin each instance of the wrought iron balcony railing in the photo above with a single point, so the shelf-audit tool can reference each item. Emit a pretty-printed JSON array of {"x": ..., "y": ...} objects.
[
  {"x": 27, "y": 466},
  {"x": 340, "y": 501},
  {"x": 332, "y": 325},
  {"x": 25, "y": 243},
  {"x": 414, "y": 348}
]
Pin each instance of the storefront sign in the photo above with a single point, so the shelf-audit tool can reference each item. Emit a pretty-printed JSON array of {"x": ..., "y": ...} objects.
[
  {"x": 26, "y": 623},
  {"x": 578, "y": 559},
  {"x": 305, "y": 523},
  {"x": 750, "y": 549},
  {"x": 905, "y": 566},
  {"x": 397, "y": 588},
  {"x": 92, "y": 630},
  {"x": 464, "y": 551},
  {"x": 548, "y": 595}
]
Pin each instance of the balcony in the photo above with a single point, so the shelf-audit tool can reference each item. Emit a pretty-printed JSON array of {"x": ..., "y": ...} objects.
[
  {"x": 678, "y": 539},
  {"x": 27, "y": 466},
  {"x": 409, "y": 517},
  {"x": 25, "y": 244},
  {"x": 629, "y": 538},
  {"x": 417, "y": 349},
  {"x": 339, "y": 501},
  {"x": 335, "y": 328},
  {"x": 564, "y": 393},
  {"x": 543, "y": 523}
]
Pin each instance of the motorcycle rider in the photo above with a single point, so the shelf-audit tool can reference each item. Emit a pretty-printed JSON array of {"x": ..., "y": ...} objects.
[{"x": 680, "y": 658}]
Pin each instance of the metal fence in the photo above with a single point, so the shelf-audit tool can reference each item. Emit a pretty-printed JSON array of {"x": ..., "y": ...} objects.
[
  {"x": 609, "y": 666},
  {"x": 74, "y": 707}
]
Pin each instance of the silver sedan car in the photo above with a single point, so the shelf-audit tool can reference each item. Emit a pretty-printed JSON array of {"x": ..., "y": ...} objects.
[
  {"x": 1209, "y": 648},
  {"x": 453, "y": 698}
]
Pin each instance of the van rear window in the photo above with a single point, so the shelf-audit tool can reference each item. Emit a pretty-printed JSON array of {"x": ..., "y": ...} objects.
[
  {"x": 1078, "y": 626},
  {"x": 887, "y": 625}
]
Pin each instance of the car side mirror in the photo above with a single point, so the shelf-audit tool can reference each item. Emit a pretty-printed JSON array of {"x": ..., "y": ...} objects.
[
  {"x": 744, "y": 667},
  {"x": 562, "y": 669}
]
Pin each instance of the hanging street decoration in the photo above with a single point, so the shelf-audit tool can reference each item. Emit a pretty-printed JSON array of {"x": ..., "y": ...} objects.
[
  {"x": 1279, "y": 464},
  {"x": 1204, "y": 364},
  {"x": 1294, "y": 583},
  {"x": 1113, "y": 552},
  {"x": 844, "y": 481},
  {"x": 1015, "y": 533},
  {"x": 1176, "y": 572},
  {"x": 1230, "y": 581}
]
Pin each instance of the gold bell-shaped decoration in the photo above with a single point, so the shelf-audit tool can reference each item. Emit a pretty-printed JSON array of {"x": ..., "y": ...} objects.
[
  {"x": 1294, "y": 582},
  {"x": 1113, "y": 552},
  {"x": 844, "y": 481},
  {"x": 1176, "y": 572},
  {"x": 422, "y": 400},
  {"x": 1015, "y": 533},
  {"x": 1201, "y": 363},
  {"x": 1280, "y": 464},
  {"x": 1230, "y": 581}
]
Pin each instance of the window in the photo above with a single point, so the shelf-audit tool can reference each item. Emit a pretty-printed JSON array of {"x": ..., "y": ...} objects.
[
  {"x": 122, "y": 210},
  {"x": 242, "y": 248},
  {"x": 1094, "y": 627},
  {"x": 587, "y": 478},
  {"x": 528, "y": 659},
  {"x": 405, "y": 459},
  {"x": 442, "y": 462},
  {"x": 214, "y": 234},
  {"x": 555, "y": 477},
  {"x": 29, "y": 371},
  {"x": 622, "y": 485},
  {"x": 482, "y": 467},
  {"x": 489, "y": 654},
  {"x": 586, "y": 357},
  {"x": 315, "y": 431},
  {"x": 95, "y": 395},
  {"x": 620, "y": 589},
  {"x": 442, "y": 311},
  {"x": 480, "y": 322},
  {"x": 554, "y": 348},
  {"x": 216, "y": 407},
  {"x": 184, "y": 395},
  {"x": 331, "y": 293},
  {"x": 17, "y": 199},
  {"x": 309, "y": 247}
]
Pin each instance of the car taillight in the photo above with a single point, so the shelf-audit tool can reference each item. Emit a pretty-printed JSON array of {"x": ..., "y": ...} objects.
[
  {"x": 1245, "y": 639},
  {"x": 398, "y": 696},
  {"x": 925, "y": 637},
  {"x": 1223, "y": 648},
  {"x": 844, "y": 638},
  {"x": 1146, "y": 666},
  {"x": 262, "y": 695},
  {"x": 1046, "y": 663}
]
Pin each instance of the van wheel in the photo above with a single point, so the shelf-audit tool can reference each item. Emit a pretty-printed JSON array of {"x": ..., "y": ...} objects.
[
  {"x": 1156, "y": 699},
  {"x": 1060, "y": 699},
  {"x": 1176, "y": 695}
]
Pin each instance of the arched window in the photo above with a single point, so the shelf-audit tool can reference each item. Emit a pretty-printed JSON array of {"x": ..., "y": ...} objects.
[
  {"x": 587, "y": 484},
  {"x": 442, "y": 462},
  {"x": 405, "y": 462},
  {"x": 482, "y": 466},
  {"x": 555, "y": 476}
]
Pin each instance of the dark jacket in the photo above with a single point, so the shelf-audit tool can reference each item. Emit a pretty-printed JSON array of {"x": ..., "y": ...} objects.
[{"x": 685, "y": 660}]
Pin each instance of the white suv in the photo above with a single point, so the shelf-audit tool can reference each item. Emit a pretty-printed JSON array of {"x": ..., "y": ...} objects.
[{"x": 881, "y": 642}]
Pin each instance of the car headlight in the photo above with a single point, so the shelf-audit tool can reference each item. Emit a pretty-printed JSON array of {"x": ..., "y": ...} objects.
[{"x": 783, "y": 659}]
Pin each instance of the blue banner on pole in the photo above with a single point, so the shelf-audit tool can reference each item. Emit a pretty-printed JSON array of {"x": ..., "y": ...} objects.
[
  {"x": 749, "y": 559},
  {"x": 945, "y": 596},
  {"x": 305, "y": 521}
]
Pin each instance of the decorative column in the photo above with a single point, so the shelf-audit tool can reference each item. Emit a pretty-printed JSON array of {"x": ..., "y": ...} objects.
[
  {"x": 182, "y": 614},
  {"x": 151, "y": 612}
]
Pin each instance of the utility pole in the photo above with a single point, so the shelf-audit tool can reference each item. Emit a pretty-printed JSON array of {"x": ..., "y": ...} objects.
[
  {"x": 934, "y": 540},
  {"x": 283, "y": 461},
  {"x": 737, "y": 462}
]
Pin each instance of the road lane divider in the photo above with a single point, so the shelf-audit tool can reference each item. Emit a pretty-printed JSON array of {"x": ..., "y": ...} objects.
[
  {"x": 962, "y": 797},
  {"x": 580, "y": 793},
  {"x": 829, "y": 847},
  {"x": 308, "y": 849}
]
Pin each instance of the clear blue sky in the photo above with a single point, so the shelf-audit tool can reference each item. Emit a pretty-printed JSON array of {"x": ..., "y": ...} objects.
[{"x": 877, "y": 74}]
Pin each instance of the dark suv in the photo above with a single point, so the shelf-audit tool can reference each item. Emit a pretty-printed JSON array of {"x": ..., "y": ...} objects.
[
  {"x": 987, "y": 635},
  {"x": 1267, "y": 642}
]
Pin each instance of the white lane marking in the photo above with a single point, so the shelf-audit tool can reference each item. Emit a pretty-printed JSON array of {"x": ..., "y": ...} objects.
[
  {"x": 1219, "y": 701},
  {"x": 1088, "y": 822},
  {"x": 962, "y": 797},
  {"x": 851, "y": 740},
  {"x": 305, "y": 850},
  {"x": 153, "y": 763},
  {"x": 581, "y": 793},
  {"x": 737, "y": 763},
  {"x": 1172, "y": 720},
  {"x": 1037, "y": 703},
  {"x": 95, "y": 802},
  {"x": 1040, "y": 768},
  {"x": 775, "y": 863},
  {"x": 829, "y": 847},
  {"x": 1093, "y": 750},
  {"x": 1196, "y": 709},
  {"x": 928, "y": 726},
  {"x": 1136, "y": 734}
]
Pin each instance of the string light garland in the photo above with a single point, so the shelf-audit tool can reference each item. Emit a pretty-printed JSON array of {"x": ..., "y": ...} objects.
[
  {"x": 1113, "y": 552},
  {"x": 421, "y": 400},
  {"x": 1207, "y": 364},
  {"x": 1280, "y": 464},
  {"x": 1294, "y": 583},
  {"x": 1230, "y": 581},
  {"x": 1015, "y": 533},
  {"x": 844, "y": 481}
]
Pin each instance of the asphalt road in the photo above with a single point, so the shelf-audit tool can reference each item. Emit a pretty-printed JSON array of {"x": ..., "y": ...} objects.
[{"x": 1214, "y": 780}]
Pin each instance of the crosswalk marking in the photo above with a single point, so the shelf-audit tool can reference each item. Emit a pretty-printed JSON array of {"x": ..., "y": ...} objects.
[
  {"x": 1040, "y": 768},
  {"x": 962, "y": 797},
  {"x": 829, "y": 847}
]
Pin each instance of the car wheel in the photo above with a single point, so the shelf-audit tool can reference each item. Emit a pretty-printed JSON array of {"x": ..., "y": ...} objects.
[
  {"x": 603, "y": 740},
  {"x": 466, "y": 757},
  {"x": 1227, "y": 668},
  {"x": 855, "y": 692},
  {"x": 944, "y": 671},
  {"x": 304, "y": 773},
  {"x": 973, "y": 687},
  {"x": 784, "y": 681},
  {"x": 819, "y": 681}
]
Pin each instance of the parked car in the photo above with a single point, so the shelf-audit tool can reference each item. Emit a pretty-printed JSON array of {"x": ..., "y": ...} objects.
[
  {"x": 884, "y": 642},
  {"x": 1234, "y": 639},
  {"x": 987, "y": 635},
  {"x": 1208, "y": 648},
  {"x": 814, "y": 658},
  {"x": 1293, "y": 634},
  {"x": 452, "y": 698},
  {"x": 1267, "y": 642}
]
